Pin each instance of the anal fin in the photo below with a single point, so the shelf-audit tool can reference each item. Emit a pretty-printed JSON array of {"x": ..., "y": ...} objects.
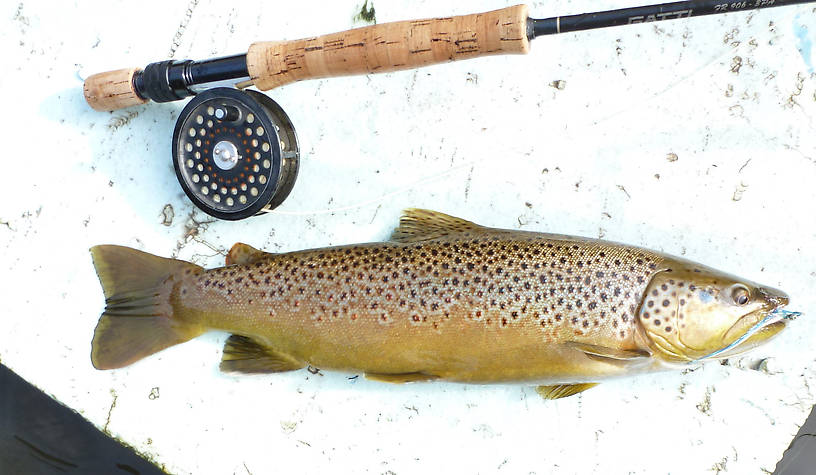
[
  {"x": 400, "y": 377},
  {"x": 563, "y": 390},
  {"x": 243, "y": 254},
  {"x": 245, "y": 355}
]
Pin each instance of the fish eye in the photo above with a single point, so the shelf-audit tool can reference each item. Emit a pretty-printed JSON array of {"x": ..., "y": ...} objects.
[{"x": 740, "y": 295}]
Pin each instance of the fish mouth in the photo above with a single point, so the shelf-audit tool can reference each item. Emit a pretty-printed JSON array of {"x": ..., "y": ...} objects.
[{"x": 764, "y": 325}]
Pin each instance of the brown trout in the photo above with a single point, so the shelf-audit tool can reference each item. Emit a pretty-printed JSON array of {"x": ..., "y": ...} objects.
[{"x": 443, "y": 299}]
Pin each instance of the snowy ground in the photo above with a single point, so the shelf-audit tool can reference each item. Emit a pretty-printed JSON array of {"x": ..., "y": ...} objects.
[{"x": 694, "y": 137}]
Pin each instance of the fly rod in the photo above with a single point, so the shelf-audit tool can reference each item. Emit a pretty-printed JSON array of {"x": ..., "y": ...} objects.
[
  {"x": 375, "y": 49},
  {"x": 235, "y": 151}
]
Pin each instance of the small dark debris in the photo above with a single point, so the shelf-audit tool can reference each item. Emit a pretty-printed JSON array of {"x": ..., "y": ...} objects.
[
  {"x": 168, "y": 214},
  {"x": 366, "y": 14},
  {"x": 559, "y": 84}
]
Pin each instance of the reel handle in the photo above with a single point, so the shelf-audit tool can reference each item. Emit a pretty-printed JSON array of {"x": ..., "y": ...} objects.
[{"x": 389, "y": 47}]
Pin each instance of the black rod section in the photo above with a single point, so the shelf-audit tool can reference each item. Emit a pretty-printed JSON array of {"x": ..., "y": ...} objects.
[
  {"x": 218, "y": 69},
  {"x": 171, "y": 80},
  {"x": 645, "y": 14}
]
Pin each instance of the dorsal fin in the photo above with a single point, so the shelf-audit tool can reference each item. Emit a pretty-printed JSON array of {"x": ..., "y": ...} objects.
[
  {"x": 417, "y": 225},
  {"x": 243, "y": 254}
]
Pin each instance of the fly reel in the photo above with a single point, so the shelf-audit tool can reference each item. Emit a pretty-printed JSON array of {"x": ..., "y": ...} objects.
[{"x": 235, "y": 153}]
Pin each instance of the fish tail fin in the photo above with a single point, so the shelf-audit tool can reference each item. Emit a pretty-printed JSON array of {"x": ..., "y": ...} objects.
[{"x": 139, "y": 315}]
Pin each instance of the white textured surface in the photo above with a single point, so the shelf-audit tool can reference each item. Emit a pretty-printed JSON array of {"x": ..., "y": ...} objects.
[{"x": 489, "y": 140}]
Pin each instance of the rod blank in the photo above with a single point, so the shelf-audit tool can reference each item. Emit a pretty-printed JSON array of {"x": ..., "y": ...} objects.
[{"x": 648, "y": 13}]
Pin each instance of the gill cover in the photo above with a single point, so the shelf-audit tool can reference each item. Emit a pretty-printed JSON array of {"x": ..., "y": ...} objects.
[{"x": 690, "y": 312}]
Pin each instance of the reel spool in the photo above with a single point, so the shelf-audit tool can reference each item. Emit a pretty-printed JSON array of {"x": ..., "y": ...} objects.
[{"x": 235, "y": 153}]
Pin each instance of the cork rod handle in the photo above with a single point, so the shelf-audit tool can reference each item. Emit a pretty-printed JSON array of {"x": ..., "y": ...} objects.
[
  {"x": 112, "y": 90},
  {"x": 389, "y": 47}
]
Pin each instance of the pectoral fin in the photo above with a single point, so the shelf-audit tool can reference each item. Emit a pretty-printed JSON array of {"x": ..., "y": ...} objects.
[
  {"x": 563, "y": 390},
  {"x": 400, "y": 377},
  {"x": 245, "y": 355},
  {"x": 612, "y": 355},
  {"x": 243, "y": 254}
]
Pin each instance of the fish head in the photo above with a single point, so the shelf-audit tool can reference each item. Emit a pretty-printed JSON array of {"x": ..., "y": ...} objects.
[{"x": 690, "y": 313}]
